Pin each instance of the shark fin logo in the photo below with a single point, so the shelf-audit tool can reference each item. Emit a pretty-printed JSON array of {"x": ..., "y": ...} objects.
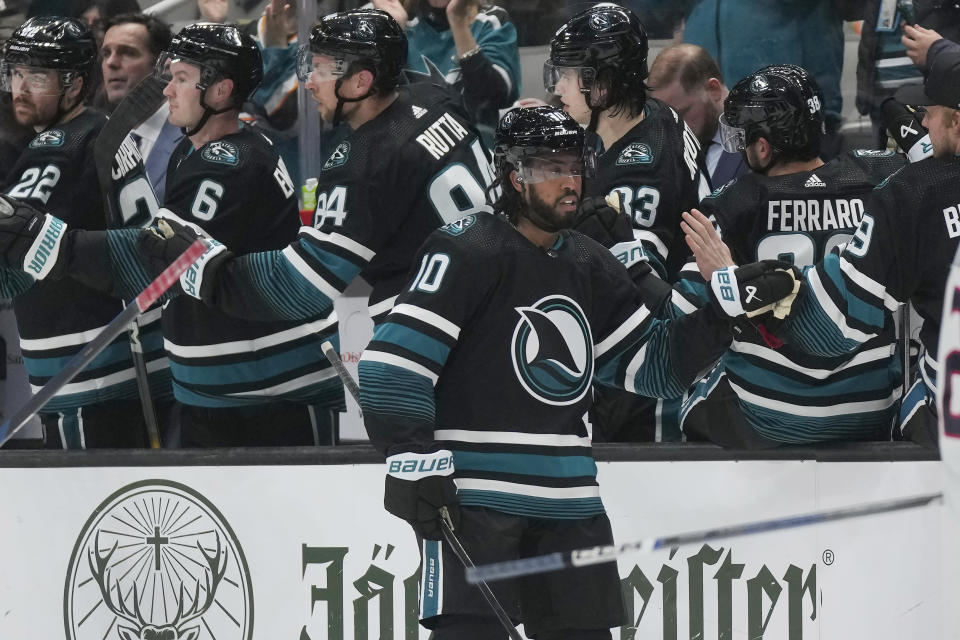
[
  {"x": 52, "y": 138},
  {"x": 157, "y": 561},
  {"x": 339, "y": 156},
  {"x": 461, "y": 225},
  {"x": 636, "y": 153},
  {"x": 552, "y": 351},
  {"x": 221, "y": 152}
]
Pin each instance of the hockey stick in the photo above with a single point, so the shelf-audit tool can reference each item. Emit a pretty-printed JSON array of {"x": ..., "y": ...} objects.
[
  {"x": 445, "y": 523},
  {"x": 599, "y": 555},
  {"x": 117, "y": 326},
  {"x": 136, "y": 107},
  {"x": 341, "y": 370}
]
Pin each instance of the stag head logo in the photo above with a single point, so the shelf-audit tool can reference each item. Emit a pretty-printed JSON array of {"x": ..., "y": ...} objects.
[{"x": 157, "y": 561}]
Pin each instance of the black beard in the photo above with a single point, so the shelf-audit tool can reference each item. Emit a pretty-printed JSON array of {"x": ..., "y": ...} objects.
[{"x": 545, "y": 216}]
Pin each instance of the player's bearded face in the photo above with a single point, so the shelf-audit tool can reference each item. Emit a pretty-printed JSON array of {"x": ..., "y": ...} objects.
[
  {"x": 552, "y": 204},
  {"x": 33, "y": 107}
]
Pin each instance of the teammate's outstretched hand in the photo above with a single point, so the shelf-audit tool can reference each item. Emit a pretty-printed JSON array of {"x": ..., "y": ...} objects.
[
  {"x": 705, "y": 243},
  {"x": 30, "y": 239},
  {"x": 417, "y": 486},
  {"x": 917, "y": 41},
  {"x": 168, "y": 239},
  {"x": 601, "y": 219}
]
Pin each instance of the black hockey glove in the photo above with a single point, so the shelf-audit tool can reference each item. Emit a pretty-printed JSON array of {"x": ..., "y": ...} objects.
[
  {"x": 170, "y": 236},
  {"x": 755, "y": 289},
  {"x": 602, "y": 219},
  {"x": 30, "y": 240},
  {"x": 418, "y": 486},
  {"x": 904, "y": 124}
]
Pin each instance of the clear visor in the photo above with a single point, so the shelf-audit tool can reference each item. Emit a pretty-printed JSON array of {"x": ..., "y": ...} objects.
[
  {"x": 325, "y": 67},
  {"x": 16, "y": 78},
  {"x": 564, "y": 80},
  {"x": 732, "y": 139},
  {"x": 534, "y": 169},
  {"x": 163, "y": 70}
]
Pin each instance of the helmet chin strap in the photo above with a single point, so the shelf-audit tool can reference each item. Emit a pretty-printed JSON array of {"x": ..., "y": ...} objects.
[
  {"x": 765, "y": 169},
  {"x": 60, "y": 112},
  {"x": 207, "y": 112},
  {"x": 338, "y": 112}
]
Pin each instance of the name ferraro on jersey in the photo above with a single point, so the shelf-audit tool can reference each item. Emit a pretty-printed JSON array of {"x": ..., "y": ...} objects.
[
  {"x": 127, "y": 157},
  {"x": 814, "y": 215},
  {"x": 441, "y": 136}
]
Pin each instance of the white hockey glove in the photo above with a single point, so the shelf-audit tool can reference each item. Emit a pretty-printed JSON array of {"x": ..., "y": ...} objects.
[
  {"x": 30, "y": 240},
  {"x": 418, "y": 487},
  {"x": 755, "y": 289}
]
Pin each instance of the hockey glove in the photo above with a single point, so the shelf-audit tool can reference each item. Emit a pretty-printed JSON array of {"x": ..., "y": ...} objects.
[
  {"x": 417, "y": 486},
  {"x": 602, "y": 219},
  {"x": 904, "y": 125},
  {"x": 168, "y": 238},
  {"x": 31, "y": 240},
  {"x": 755, "y": 289}
]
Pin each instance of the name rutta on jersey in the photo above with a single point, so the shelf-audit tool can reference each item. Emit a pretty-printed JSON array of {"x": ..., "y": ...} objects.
[
  {"x": 442, "y": 136},
  {"x": 814, "y": 214}
]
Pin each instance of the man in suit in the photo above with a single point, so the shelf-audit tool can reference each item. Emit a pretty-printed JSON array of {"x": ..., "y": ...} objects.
[
  {"x": 131, "y": 44},
  {"x": 687, "y": 78}
]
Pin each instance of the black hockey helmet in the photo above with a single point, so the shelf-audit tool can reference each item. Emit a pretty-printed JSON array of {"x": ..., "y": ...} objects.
[
  {"x": 605, "y": 43},
  {"x": 59, "y": 44},
  {"x": 781, "y": 103},
  {"x": 220, "y": 51},
  {"x": 369, "y": 37},
  {"x": 527, "y": 132}
]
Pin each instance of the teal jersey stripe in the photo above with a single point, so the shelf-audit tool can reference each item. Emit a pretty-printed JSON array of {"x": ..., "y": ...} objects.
[
  {"x": 530, "y": 506},
  {"x": 319, "y": 393},
  {"x": 391, "y": 391},
  {"x": 863, "y": 311},
  {"x": 341, "y": 268},
  {"x": 413, "y": 340},
  {"x": 254, "y": 370},
  {"x": 790, "y": 429},
  {"x": 526, "y": 464},
  {"x": 881, "y": 378},
  {"x": 116, "y": 353}
]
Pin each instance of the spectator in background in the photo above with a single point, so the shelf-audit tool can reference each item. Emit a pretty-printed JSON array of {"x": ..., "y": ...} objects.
[
  {"x": 884, "y": 56},
  {"x": 273, "y": 106},
  {"x": 689, "y": 80},
  {"x": 213, "y": 10},
  {"x": 131, "y": 44},
  {"x": 474, "y": 45},
  {"x": 745, "y": 35}
]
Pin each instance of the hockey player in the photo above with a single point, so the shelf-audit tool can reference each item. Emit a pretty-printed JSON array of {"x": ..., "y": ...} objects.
[
  {"x": 239, "y": 382},
  {"x": 598, "y": 68},
  {"x": 536, "y": 312},
  {"x": 792, "y": 207},
  {"x": 901, "y": 251},
  {"x": 47, "y": 65}
]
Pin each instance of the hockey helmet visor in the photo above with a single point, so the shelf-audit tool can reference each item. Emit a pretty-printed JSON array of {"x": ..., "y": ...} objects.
[
  {"x": 164, "y": 70},
  {"x": 37, "y": 81},
  {"x": 548, "y": 164},
  {"x": 326, "y": 66},
  {"x": 579, "y": 78},
  {"x": 733, "y": 139}
]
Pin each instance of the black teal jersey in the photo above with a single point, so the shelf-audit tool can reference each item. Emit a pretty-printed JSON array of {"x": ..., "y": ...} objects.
[
  {"x": 57, "y": 173},
  {"x": 381, "y": 192},
  {"x": 491, "y": 351},
  {"x": 655, "y": 168},
  {"x": 238, "y": 190},
  {"x": 787, "y": 394},
  {"x": 901, "y": 251}
]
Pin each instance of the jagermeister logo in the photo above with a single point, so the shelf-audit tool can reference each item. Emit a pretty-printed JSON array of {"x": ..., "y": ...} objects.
[{"x": 157, "y": 561}]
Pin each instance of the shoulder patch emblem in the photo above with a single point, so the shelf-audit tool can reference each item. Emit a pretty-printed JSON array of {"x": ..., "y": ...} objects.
[
  {"x": 339, "y": 156},
  {"x": 221, "y": 152},
  {"x": 635, "y": 153},
  {"x": 52, "y": 138},
  {"x": 873, "y": 153},
  {"x": 461, "y": 225}
]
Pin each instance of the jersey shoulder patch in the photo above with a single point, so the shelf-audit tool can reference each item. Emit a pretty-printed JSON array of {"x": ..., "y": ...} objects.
[
  {"x": 51, "y": 138},
  {"x": 460, "y": 226},
  {"x": 873, "y": 153},
  {"x": 339, "y": 157},
  {"x": 221, "y": 152},
  {"x": 635, "y": 153}
]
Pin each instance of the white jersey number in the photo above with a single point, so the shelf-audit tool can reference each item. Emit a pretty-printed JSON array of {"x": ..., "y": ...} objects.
[{"x": 37, "y": 184}]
